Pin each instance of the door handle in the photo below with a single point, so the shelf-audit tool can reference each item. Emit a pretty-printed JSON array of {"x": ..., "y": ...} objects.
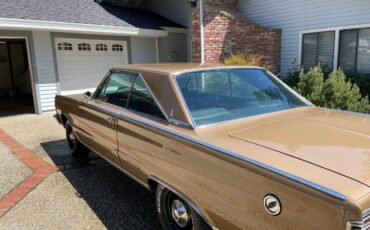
[{"x": 112, "y": 121}]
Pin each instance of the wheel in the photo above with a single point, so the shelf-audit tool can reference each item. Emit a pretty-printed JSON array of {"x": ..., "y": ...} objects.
[
  {"x": 175, "y": 214},
  {"x": 77, "y": 149}
]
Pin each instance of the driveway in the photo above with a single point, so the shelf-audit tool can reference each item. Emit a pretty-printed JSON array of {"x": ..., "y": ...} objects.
[{"x": 43, "y": 187}]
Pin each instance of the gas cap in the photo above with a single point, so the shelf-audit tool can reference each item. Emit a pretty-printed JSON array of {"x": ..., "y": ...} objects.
[{"x": 272, "y": 205}]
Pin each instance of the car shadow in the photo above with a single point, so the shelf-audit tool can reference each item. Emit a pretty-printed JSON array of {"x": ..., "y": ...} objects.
[{"x": 117, "y": 200}]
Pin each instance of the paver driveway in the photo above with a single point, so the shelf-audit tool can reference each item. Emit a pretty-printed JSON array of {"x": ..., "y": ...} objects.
[{"x": 83, "y": 194}]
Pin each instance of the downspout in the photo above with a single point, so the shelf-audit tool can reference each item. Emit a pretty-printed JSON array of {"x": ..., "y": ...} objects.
[{"x": 201, "y": 32}]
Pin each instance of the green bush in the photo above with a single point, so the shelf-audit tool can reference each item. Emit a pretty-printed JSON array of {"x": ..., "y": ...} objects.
[
  {"x": 248, "y": 60},
  {"x": 362, "y": 80},
  {"x": 334, "y": 92}
]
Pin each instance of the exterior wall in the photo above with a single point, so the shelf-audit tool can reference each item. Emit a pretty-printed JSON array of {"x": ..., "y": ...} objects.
[
  {"x": 174, "y": 43},
  {"x": 295, "y": 16},
  {"x": 227, "y": 32},
  {"x": 46, "y": 86},
  {"x": 178, "y": 11},
  {"x": 143, "y": 50}
]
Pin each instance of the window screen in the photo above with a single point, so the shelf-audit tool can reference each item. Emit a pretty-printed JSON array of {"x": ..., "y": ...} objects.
[
  {"x": 347, "y": 53},
  {"x": 318, "y": 48},
  {"x": 141, "y": 100},
  {"x": 363, "y": 56}
]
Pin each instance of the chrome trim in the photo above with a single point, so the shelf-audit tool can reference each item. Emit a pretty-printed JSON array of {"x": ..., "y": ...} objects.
[
  {"x": 185, "y": 198},
  {"x": 354, "y": 225},
  {"x": 292, "y": 177}
]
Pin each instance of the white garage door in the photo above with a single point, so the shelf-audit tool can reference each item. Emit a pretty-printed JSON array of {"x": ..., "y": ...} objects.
[{"x": 82, "y": 64}]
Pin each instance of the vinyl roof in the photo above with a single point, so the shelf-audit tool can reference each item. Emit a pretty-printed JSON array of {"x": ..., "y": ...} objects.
[{"x": 83, "y": 12}]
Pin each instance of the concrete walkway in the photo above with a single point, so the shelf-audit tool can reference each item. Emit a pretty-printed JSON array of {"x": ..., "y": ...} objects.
[{"x": 83, "y": 194}]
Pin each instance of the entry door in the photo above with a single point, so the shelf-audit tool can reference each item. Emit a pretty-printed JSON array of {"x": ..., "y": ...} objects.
[
  {"x": 5, "y": 73},
  {"x": 97, "y": 120}
]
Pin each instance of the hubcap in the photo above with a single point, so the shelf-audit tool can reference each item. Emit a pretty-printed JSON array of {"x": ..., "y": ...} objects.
[{"x": 180, "y": 213}]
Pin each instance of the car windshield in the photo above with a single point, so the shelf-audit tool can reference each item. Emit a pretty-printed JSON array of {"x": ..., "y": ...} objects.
[{"x": 214, "y": 96}]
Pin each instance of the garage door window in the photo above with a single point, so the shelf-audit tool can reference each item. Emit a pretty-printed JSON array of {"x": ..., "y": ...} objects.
[
  {"x": 101, "y": 47},
  {"x": 65, "y": 46},
  {"x": 117, "y": 47},
  {"x": 84, "y": 47}
]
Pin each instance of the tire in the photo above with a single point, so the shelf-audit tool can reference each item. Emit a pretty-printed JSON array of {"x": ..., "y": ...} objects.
[
  {"x": 165, "y": 199},
  {"x": 77, "y": 149}
]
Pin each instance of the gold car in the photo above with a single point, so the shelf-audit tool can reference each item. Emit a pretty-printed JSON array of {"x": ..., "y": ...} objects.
[{"x": 226, "y": 147}]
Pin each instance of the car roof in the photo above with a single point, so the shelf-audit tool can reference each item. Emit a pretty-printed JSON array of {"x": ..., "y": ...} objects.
[{"x": 172, "y": 68}]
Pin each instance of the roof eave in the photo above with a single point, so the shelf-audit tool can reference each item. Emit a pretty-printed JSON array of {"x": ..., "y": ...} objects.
[{"x": 26, "y": 24}]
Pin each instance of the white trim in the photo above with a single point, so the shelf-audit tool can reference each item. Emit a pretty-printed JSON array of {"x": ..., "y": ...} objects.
[
  {"x": 36, "y": 102},
  {"x": 337, "y": 30},
  {"x": 201, "y": 23},
  {"x": 175, "y": 30},
  {"x": 21, "y": 24},
  {"x": 78, "y": 91}
]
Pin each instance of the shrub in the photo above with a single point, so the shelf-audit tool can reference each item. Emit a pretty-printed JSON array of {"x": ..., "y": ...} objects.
[
  {"x": 362, "y": 80},
  {"x": 248, "y": 60},
  {"x": 335, "y": 92}
]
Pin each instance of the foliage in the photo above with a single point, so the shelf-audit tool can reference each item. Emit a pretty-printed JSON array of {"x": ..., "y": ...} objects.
[
  {"x": 334, "y": 92},
  {"x": 362, "y": 80},
  {"x": 248, "y": 60}
]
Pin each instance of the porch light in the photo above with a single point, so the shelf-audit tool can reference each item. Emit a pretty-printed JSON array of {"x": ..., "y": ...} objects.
[{"x": 193, "y": 3}]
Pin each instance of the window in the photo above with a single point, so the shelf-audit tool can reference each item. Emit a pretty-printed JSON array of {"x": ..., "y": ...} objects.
[
  {"x": 115, "y": 90},
  {"x": 354, "y": 50},
  {"x": 65, "y": 46},
  {"x": 141, "y": 100},
  {"x": 101, "y": 47},
  {"x": 318, "y": 48},
  {"x": 220, "y": 95},
  {"x": 117, "y": 47},
  {"x": 84, "y": 47}
]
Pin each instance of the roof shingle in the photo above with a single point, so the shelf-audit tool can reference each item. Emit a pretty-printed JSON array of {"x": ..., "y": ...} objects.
[{"x": 84, "y": 12}]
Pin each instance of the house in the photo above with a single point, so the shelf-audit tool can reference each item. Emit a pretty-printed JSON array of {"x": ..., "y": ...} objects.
[
  {"x": 50, "y": 47},
  {"x": 71, "y": 44}
]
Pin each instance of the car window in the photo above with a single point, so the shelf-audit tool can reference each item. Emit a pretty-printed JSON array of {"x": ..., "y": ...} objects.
[
  {"x": 115, "y": 90},
  {"x": 220, "y": 95},
  {"x": 141, "y": 100}
]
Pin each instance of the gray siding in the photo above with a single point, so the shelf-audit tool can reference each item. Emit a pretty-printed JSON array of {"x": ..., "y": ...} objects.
[
  {"x": 174, "y": 42},
  {"x": 293, "y": 16},
  {"x": 143, "y": 50},
  {"x": 178, "y": 11},
  {"x": 46, "y": 86}
]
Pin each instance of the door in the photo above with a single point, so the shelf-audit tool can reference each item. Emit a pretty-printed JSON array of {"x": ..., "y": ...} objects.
[
  {"x": 97, "y": 120},
  {"x": 87, "y": 59},
  {"x": 135, "y": 143},
  {"x": 5, "y": 72}
]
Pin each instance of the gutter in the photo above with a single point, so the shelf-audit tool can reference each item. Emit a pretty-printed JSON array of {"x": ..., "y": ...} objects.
[{"x": 26, "y": 24}]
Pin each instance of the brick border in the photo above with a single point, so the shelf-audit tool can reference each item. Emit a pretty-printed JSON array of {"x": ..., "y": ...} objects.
[{"x": 40, "y": 170}]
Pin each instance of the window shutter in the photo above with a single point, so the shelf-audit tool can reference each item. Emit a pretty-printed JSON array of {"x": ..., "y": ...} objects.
[
  {"x": 347, "y": 54},
  {"x": 363, "y": 56}
]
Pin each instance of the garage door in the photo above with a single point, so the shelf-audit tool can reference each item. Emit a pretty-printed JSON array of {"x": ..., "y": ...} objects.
[{"x": 83, "y": 63}]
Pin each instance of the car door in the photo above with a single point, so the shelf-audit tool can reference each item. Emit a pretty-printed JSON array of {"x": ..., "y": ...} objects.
[
  {"x": 98, "y": 120},
  {"x": 135, "y": 143}
]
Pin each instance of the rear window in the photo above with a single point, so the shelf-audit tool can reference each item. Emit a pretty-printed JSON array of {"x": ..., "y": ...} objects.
[{"x": 214, "y": 96}]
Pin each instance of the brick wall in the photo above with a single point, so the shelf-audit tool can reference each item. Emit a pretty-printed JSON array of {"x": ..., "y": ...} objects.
[{"x": 228, "y": 32}]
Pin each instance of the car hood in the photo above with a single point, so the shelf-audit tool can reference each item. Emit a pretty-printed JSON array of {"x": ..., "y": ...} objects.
[{"x": 337, "y": 141}]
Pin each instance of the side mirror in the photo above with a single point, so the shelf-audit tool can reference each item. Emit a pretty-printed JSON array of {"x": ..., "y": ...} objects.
[{"x": 87, "y": 94}]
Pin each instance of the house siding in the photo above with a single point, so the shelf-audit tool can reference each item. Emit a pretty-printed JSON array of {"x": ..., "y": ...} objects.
[
  {"x": 294, "y": 16},
  {"x": 46, "y": 84},
  {"x": 173, "y": 43},
  {"x": 143, "y": 50},
  {"x": 178, "y": 11}
]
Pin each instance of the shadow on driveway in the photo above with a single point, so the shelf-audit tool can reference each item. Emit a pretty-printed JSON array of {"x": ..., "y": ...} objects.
[{"x": 117, "y": 200}]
